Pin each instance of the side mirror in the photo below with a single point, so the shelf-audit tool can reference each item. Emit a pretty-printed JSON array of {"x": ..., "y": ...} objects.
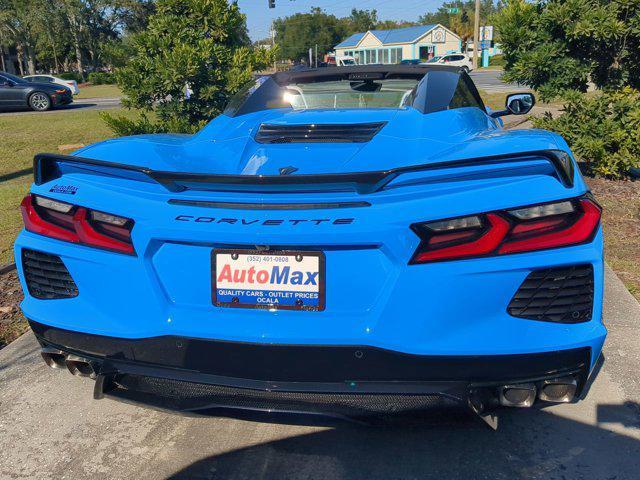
[{"x": 517, "y": 104}]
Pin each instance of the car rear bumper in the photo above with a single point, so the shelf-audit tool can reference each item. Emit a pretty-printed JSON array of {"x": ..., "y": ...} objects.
[{"x": 192, "y": 375}]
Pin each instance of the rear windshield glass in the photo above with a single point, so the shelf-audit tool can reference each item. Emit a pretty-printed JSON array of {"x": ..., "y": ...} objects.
[
  {"x": 433, "y": 91},
  {"x": 349, "y": 94}
]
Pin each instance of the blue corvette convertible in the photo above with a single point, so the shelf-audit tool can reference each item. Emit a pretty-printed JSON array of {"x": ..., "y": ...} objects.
[{"x": 348, "y": 241}]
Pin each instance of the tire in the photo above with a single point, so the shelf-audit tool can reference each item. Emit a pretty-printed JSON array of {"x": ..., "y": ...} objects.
[{"x": 39, "y": 102}]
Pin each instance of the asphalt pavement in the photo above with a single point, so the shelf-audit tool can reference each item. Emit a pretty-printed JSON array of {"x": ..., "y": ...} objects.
[
  {"x": 82, "y": 104},
  {"x": 50, "y": 428},
  {"x": 490, "y": 81}
]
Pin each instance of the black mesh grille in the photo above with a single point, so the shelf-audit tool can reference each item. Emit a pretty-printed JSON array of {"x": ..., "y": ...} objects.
[
  {"x": 182, "y": 395},
  {"x": 563, "y": 295},
  {"x": 355, "y": 132},
  {"x": 46, "y": 276}
]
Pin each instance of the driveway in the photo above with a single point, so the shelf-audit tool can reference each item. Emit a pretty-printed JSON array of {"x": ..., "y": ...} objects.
[
  {"x": 489, "y": 81},
  {"x": 50, "y": 428}
]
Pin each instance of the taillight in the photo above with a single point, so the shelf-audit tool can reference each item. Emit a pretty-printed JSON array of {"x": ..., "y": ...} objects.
[
  {"x": 525, "y": 229},
  {"x": 76, "y": 224}
]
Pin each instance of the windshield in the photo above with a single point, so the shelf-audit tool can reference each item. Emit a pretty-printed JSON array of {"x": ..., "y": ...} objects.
[
  {"x": 427, "y": 89},
  {"x": 348, "y": 61},
  {"x": 13, "y": 78},
  {"x": 349, "y": 94},
  {"x": 434, "y": 59}
]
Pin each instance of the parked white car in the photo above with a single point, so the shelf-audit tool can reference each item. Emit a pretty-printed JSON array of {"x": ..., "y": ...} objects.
[
  {"x": 455, "y": 59},
  {"x": 71, "y": 84}
]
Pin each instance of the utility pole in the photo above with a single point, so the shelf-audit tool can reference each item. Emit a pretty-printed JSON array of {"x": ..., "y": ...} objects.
[
  {"x": 476, "y": 34},
  {"x": 316, "y": 55},
  {"x": 273, "y": 44}
]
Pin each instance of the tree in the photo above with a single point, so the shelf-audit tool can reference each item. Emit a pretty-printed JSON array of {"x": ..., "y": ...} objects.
[
  {"x": 465, "y": 15},
  {"x": 463, "y": 25},
  {"x": 19, "y": 25},
  {"x": 299, "y": 32},
  {"x": 361, "y": 20},
  {"x": 50, "y": 35},
  {"x": 391, "y": 24},
  {"x": 200, "y": 46},
  {"x": 555, "y": 46}
]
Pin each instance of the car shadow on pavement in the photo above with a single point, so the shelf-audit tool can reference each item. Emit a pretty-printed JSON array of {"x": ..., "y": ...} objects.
[
  {"x": 75, "y": 106},
  {"x": 71, "y": 106},
  {"x": 528, "y": 444}
]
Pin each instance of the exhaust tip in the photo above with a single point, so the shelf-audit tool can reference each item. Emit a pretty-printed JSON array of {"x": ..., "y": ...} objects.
[
  {"x": 53, "y": 358},
  {"x": 79, "y": 366},
  {"x": 558, "y": 390},
  {"x": 517, "y": 395}
]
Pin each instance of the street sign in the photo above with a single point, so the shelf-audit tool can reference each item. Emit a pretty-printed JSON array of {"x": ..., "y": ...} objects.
[
  {"x": 486, "y": 33},
  {"x": 454, "y": 10}
]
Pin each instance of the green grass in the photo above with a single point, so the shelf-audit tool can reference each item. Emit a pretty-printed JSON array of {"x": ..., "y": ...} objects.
[
  {"x": 99, "y": 91},
  {"x": 11, "y": 194},
  {"x": 22, "y": 137},
  {"x": 492, "y": 67},
  {"x": 496, "y": 100},
  {"x": 493, "y": 100}
]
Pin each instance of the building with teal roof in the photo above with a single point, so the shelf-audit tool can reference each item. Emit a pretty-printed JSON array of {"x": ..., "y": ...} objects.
[{"x": 420, "y": 42}]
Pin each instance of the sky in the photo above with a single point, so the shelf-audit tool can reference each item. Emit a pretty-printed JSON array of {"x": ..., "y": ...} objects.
[{"x": 260, "y": 16}]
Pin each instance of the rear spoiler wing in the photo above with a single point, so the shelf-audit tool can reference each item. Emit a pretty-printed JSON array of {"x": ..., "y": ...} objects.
[{"x": 47, "y": 167}]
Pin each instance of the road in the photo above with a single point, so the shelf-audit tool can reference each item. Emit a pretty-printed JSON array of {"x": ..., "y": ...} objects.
[
  {"x": 50, "y": 428},
  {"x": 489, "y": 81},
  {"x": 82, "y": 104}
]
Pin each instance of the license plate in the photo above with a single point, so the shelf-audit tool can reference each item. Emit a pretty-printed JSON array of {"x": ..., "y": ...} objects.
[{"x": 289, "y": 280}]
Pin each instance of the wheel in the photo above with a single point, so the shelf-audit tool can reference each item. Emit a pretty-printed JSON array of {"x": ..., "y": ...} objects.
[{"x": 39, "y": 102}]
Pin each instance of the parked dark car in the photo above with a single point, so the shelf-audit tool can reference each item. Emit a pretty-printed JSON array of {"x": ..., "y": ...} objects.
[{"x": 16, "y": 93}]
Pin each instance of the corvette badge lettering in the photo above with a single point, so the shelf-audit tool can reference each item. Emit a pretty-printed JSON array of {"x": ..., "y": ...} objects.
[{"x": 267, "y": 222}]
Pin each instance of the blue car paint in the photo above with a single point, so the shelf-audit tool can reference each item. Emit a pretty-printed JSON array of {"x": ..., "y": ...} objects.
[{"x": 373, "y": 296}]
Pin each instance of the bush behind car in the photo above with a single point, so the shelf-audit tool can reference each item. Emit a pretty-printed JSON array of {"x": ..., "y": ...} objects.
[
  {"x": 602, "y": 129},
  {"x": 101, "y": 78}
]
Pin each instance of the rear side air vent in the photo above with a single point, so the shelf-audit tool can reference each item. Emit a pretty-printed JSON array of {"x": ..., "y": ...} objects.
[
  {"x": 347, "y": 133},
  {"x": 46, "y": 276},
  {"x": 562, "y": 295}
]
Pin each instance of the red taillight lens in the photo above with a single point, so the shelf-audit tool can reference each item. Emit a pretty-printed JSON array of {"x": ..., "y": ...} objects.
[
  {"x": 486, "y": 241},
  {"x": 76, "y": 224},
  {"x": 573, "y": 231},
  {"x": 47, "y": 221},
  {"x": 538, "y": 227}
]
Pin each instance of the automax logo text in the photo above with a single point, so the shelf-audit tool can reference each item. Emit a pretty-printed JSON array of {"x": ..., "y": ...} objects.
[{"x": 278, "y": 275}]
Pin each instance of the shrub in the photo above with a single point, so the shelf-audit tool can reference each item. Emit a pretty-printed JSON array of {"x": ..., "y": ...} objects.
[
  {"x": 558, "y": 45},
  {"x": 101, "y": 78},
  {"x": 603, "y": 130},
  {"x": 70, "y": 76},
  {"x": 192, "y": 57},
  {"x": 497, "y": 61}
]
